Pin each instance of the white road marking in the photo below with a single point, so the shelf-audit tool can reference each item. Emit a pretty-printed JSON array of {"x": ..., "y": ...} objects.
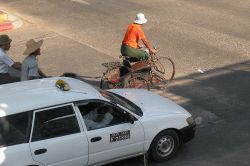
[{"x": 81, "y": 1}]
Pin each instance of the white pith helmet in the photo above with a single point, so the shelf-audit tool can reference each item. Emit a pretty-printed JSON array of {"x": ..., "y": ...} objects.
[{"x": 140, "y": 19}]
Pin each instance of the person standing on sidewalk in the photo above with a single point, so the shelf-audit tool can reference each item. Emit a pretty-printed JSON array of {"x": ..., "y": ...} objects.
[
  {"x": 130, "y": 44},
  {"x": 6, "y": 61},
  {"x": 30, "y": 68}
]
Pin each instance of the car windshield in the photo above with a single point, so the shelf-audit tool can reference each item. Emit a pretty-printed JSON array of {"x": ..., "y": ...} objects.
[{"x": 117, "y": 99}]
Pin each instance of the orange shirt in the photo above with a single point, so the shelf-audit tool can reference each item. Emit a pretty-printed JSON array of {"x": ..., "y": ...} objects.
[{"x": 133, "y": 35}]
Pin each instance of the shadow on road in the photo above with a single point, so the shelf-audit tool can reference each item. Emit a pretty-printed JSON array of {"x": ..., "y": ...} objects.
[
  {"x": 95, "y": 81},
  {"x": 218, "y": 91}
]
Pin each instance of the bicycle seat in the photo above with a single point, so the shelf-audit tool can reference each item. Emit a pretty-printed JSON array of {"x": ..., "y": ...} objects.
[
  {"x": 126, "y": 63},
  {"x": 130, "y": 59}
]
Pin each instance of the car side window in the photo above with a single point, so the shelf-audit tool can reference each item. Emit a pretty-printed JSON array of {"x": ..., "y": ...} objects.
[
  {"x": 99, "y": 115},
  {"x": 55, "y": 122},
  {"x": 14, "y": 129}
]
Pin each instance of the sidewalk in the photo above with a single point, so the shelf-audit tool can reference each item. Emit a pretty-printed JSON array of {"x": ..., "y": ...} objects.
[{"x": 9, "y": 21}]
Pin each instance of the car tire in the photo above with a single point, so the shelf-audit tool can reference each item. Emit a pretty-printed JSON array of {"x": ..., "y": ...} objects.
[{"x": 164, "y": 145}]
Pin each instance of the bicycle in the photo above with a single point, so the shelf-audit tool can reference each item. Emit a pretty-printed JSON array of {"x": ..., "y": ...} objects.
[{"x": 156, "y": 71}]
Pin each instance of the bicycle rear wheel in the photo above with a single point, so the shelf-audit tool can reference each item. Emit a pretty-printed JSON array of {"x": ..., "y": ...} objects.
[
  {"x": 104, "y": 84},
  {"x": 164, "y": 68},
  {"x": 107, "y": 80},
  {"x": 138, "y": 82}
]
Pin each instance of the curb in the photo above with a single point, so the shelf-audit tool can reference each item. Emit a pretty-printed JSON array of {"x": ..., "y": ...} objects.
[{"x": 9, "y": 21}]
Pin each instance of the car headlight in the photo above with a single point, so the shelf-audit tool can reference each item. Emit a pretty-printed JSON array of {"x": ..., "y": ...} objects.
[{"x": 190, "y": 120}]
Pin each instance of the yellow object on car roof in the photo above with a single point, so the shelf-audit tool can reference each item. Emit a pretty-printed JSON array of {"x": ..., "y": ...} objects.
[{"x": 63, "y": 85}]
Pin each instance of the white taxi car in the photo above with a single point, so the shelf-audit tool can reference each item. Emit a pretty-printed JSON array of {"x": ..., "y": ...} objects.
[{"x": 66, "y": 122}]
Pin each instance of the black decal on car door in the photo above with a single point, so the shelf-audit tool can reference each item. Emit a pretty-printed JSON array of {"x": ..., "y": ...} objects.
[{"x": 119, "y": 136}]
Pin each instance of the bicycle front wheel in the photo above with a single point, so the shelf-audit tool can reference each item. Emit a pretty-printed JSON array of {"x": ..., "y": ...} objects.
[{"x": 164, "y": 68}]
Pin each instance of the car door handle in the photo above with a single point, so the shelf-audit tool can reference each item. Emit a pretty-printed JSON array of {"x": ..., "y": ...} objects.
[
  {"x": 95, "y": 139},
  {"x": 40, "y": 151}
]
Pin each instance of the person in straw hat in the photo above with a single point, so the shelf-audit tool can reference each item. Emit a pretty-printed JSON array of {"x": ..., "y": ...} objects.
[
  {"x": 130, "y": 44},
  {"x": 30, "y": 68},
  {"x": 6, "y": 61}
]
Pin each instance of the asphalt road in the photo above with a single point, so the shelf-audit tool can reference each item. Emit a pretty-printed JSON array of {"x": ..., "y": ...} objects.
[{"x": 210, "y": 36}]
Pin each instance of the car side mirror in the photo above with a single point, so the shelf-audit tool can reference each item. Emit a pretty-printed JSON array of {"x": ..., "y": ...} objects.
[{"x": 130, "y": 118}]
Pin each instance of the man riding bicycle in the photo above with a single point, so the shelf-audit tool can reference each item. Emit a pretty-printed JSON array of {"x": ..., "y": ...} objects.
[{"x": 130, "y": 45}]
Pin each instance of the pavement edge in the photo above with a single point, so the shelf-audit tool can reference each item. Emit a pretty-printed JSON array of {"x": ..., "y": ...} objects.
[{"x": 9, "y": 21}]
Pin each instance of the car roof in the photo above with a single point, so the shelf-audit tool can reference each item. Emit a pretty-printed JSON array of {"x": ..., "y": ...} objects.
[{"x": 34, "y": 94}]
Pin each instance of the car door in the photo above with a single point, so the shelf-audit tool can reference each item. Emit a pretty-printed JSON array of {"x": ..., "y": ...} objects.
[
  {"x": 114, "y": 140},
  {"x": 14, "y": 140},
  {"x": 57, "y": 138}
]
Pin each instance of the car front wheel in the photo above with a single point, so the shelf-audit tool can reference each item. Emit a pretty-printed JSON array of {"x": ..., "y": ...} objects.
[{"x": 164, "y": 145}]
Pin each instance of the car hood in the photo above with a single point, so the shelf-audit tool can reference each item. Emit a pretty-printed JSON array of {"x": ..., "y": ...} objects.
[{"x": 150, "y": 103}]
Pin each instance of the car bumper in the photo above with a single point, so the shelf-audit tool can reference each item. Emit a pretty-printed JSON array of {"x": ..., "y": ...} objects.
[{"x": 187, "y": 133}]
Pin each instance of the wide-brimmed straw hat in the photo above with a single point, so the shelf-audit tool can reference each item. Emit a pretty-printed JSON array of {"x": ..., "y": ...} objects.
[
  {"x": 140, "y": 19},
  {"x": 4, "y": 39},
  {"x": 32, "y": 46}
]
